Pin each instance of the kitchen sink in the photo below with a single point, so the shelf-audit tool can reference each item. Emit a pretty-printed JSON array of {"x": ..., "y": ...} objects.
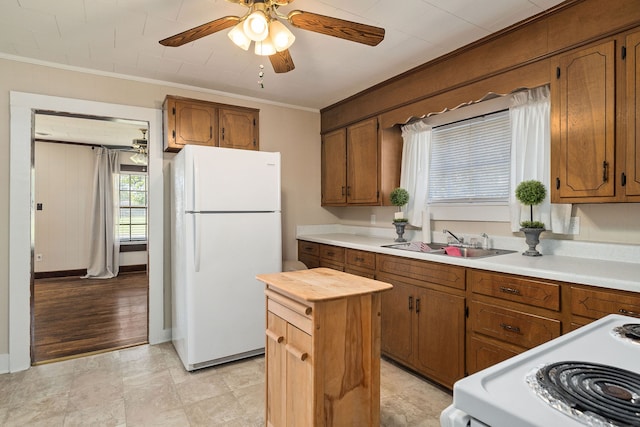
[
  {"x": 418, "y": 247},
  {"x": 443, "y": 249}
]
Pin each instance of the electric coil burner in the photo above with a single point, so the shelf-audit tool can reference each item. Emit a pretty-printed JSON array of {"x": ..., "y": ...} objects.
[
  {"x": 629, "y": 331},
  {"x": 590, "y": 392},
  {"x": 590, "y": 376}
]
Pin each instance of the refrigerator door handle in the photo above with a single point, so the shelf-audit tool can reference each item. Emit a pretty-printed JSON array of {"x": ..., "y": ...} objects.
[{"x": 196, "y": 242}]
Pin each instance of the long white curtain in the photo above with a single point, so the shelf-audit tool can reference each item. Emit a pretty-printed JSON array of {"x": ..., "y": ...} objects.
[
  {"x": 104, "y": 246},
  {"x": 530, "y": 159},
  {"x": 414, "y": 175}
]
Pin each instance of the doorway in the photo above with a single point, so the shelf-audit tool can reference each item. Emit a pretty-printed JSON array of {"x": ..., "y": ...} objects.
[
  {"x": 72, "y": 315},
  {"x": 22, "y": 107}
]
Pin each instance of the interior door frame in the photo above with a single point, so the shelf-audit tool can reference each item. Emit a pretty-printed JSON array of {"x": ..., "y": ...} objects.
[{"x": 21, "y": 215}]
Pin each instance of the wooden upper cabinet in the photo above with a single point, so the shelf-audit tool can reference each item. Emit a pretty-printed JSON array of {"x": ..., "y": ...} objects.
[
  {"x": 584, "y": 101},
  {"x": 238, "y": 128},
  {"x": 360, "y": 164},
  {"x": 632, "y": 173},
  {"x": 190, "y": 121},
  {"x": 334, "y": 168}
]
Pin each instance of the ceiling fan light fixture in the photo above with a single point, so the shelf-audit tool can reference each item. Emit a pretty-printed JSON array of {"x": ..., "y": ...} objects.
[
  {"x": 256, "y": 26},
  {"x": 265, "y": 47},
  {"x": 239, "y": 38},
  {"x": 280, "y": 35}
]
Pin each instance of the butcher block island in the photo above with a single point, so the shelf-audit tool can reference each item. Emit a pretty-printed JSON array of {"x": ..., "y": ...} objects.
[{"x": 323, "y": 348}]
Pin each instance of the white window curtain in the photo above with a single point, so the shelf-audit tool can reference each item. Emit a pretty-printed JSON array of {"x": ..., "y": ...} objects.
[
  {"x": 530, "y": 159},
  {"x": 104, "y": 246},
  {"x": 414, "y": 175}
]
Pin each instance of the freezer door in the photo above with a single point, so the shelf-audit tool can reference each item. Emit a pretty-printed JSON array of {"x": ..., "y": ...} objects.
[
  {"x": 224, "y": 179},
  {"x": 225, "y": 302}
]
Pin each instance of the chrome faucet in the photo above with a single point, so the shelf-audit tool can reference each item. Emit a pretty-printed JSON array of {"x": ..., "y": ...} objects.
[{"x": 459, "y": 240}]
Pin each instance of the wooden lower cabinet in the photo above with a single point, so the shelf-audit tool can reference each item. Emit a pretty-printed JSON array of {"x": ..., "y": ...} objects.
[
  {"x": 594, "y": 303},
  {"x": 424, "y": 329},
  {"x": 481, "y": 354},
  {"x": 323, "y": 349}
]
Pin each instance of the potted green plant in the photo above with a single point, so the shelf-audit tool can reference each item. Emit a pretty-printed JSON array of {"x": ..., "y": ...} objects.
[
  {"x": 399, "y": 197},
  {"x": 531, "y": 193}
]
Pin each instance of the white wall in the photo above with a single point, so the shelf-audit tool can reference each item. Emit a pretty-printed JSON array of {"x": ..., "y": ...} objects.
[{"x": 292, "y": 131}]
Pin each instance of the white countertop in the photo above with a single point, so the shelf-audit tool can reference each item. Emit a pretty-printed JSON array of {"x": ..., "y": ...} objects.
[{"x": 605, "y": 265}]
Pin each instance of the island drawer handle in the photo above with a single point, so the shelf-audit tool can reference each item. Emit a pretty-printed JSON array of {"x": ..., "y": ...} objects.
[
  {"x": 302, "y": 355},
  {"x": 511, "y": 291},
  {"x": 277, "y": 338},
  {"x": 293, "y": 305},
  {"x": 510, "y": 328},
  {"x": 628, "y": 312}
]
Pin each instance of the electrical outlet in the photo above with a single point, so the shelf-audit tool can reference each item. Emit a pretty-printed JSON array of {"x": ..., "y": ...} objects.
[
  {"x": 574, "y": 225},
  {"x": 38, "y": 257}
]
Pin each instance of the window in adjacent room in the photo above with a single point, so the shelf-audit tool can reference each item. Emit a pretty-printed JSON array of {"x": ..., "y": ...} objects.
[
  {"x": 133, "y": 206},
  {"x": 470, "y": 161}
]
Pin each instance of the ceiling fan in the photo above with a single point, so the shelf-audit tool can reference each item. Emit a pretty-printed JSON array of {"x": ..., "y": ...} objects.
[{"x": 261, "y": 24}]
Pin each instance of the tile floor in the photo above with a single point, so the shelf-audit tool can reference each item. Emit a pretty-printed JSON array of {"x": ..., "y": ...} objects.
[{"x": 147, "y": 386}]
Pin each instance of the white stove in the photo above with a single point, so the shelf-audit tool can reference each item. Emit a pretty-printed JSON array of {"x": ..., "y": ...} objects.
[{"x": 534, "y": 389}]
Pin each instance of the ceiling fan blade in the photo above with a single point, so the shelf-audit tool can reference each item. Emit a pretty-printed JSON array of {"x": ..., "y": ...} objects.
[
  {"x": 200, "y": 31},
  {"x": 282, "y": 62},
  {"x": 352, "y": 31}
]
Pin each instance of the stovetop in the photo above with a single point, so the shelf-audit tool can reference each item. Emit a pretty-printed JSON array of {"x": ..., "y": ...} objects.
[{"x": 502, "y": 395}]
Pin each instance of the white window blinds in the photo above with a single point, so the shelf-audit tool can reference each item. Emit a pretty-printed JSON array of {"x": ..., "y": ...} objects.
[{"x": 470, "y": 160}]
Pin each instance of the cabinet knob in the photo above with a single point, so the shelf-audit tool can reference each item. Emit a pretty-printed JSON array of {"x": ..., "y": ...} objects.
[
  {"x": 272, "y": 335},
  {"x": 298, "y": 354}
]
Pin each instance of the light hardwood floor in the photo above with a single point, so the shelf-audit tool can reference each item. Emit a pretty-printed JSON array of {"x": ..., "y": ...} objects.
[{"x": 74, "y": 316}]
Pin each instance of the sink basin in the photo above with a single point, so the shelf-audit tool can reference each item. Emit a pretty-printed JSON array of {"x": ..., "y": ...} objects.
[
  {"x": 418, "y": 247},
  {"x": 474, "y": 252},
  {"x": 439, "y": 249}
]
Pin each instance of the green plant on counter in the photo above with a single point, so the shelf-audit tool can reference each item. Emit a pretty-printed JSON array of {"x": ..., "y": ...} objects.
[
  {"x": 399, "y": 197},
  {"x": 531, "y": 193}
]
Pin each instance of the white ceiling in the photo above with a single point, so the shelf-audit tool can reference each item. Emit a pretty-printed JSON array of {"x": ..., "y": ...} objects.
[{"x": 121, "y": 36}]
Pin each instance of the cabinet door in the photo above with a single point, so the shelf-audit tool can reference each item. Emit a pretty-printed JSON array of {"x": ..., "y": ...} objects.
[
  {"x": 397, "y": 307},
  {"x": 334, "y": 168},
  {"x": 483, "y": 354},
  {"x": 276, "y": 370},
  {"x": 299, "y": 394},
  {"x": 362, "y": 162},
  {"x": 195, "y": 123},
  {"x": 440, "y": 335},
  {"x": 238, "y": 129},
  {"x": 586, "y": 143},
  {"x": 633, "y": 123}
]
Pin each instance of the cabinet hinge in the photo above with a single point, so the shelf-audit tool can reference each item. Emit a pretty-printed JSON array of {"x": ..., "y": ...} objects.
[
  {"x": 466, "y": 311},
  {"x": 254, "y": 122},
  {"x": 557, "y": 72},
  {"x": 173, "y": 111},
  {"x": 173, "y": 133},
  {"x": 623, "y": 179},
  {"x": 623, "y": 52},
  {"x": 377, "y": 125},
  {"x": 557, "y": 183}
]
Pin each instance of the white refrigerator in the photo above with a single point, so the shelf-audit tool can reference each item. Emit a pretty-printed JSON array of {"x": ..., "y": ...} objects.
[{"x": 226, "y": 229}]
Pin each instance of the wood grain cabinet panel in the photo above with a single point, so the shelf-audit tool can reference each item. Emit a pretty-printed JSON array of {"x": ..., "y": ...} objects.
[
  {"x": 432, "y": 272},
  {"x": 632, "y": 170},
  {"x": 527, "y": 291},
  {"x": 597, "y": 303},
  {"x": 515, "y": 327},
  {"x": 482, "y": 354},
  {"x": 238, "y": 128}
]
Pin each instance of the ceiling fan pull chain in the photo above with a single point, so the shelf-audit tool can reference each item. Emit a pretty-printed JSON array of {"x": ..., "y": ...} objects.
[{"x": 261, "y": 77}]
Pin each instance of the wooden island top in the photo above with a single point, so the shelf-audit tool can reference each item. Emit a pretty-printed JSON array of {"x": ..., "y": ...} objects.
[{"x": 322, "y": 284}]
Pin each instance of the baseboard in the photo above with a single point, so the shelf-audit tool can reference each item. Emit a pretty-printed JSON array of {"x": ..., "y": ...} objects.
[
  {"x": 4, "y": 363},
  {"x": 78, "y": 273}
]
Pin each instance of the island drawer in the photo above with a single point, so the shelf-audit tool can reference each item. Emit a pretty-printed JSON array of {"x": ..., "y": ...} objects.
[
  {"x": 527, "y": 291},
  {"x": 294, "y": 312}
]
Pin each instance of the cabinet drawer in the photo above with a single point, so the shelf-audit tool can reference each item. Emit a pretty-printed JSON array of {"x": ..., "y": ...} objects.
[
  {"x": 440, "y": 274},
  {"x": 356, "y": 258},
  {"x": 293, "y": 312},
  {"x": 527, "y": 291},
  {"x": 332, "y": 253},
  {"x": 483, "y": 354},
  {"x": 308, "y": 248},
  {"x": 512, "y": 326},
  {"x": 596, "y": 304}
]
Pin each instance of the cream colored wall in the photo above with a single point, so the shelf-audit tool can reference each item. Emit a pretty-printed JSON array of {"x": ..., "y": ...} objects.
[
  {"x": 292, "y": 131},
  {"x": 603, "y": 223}
]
